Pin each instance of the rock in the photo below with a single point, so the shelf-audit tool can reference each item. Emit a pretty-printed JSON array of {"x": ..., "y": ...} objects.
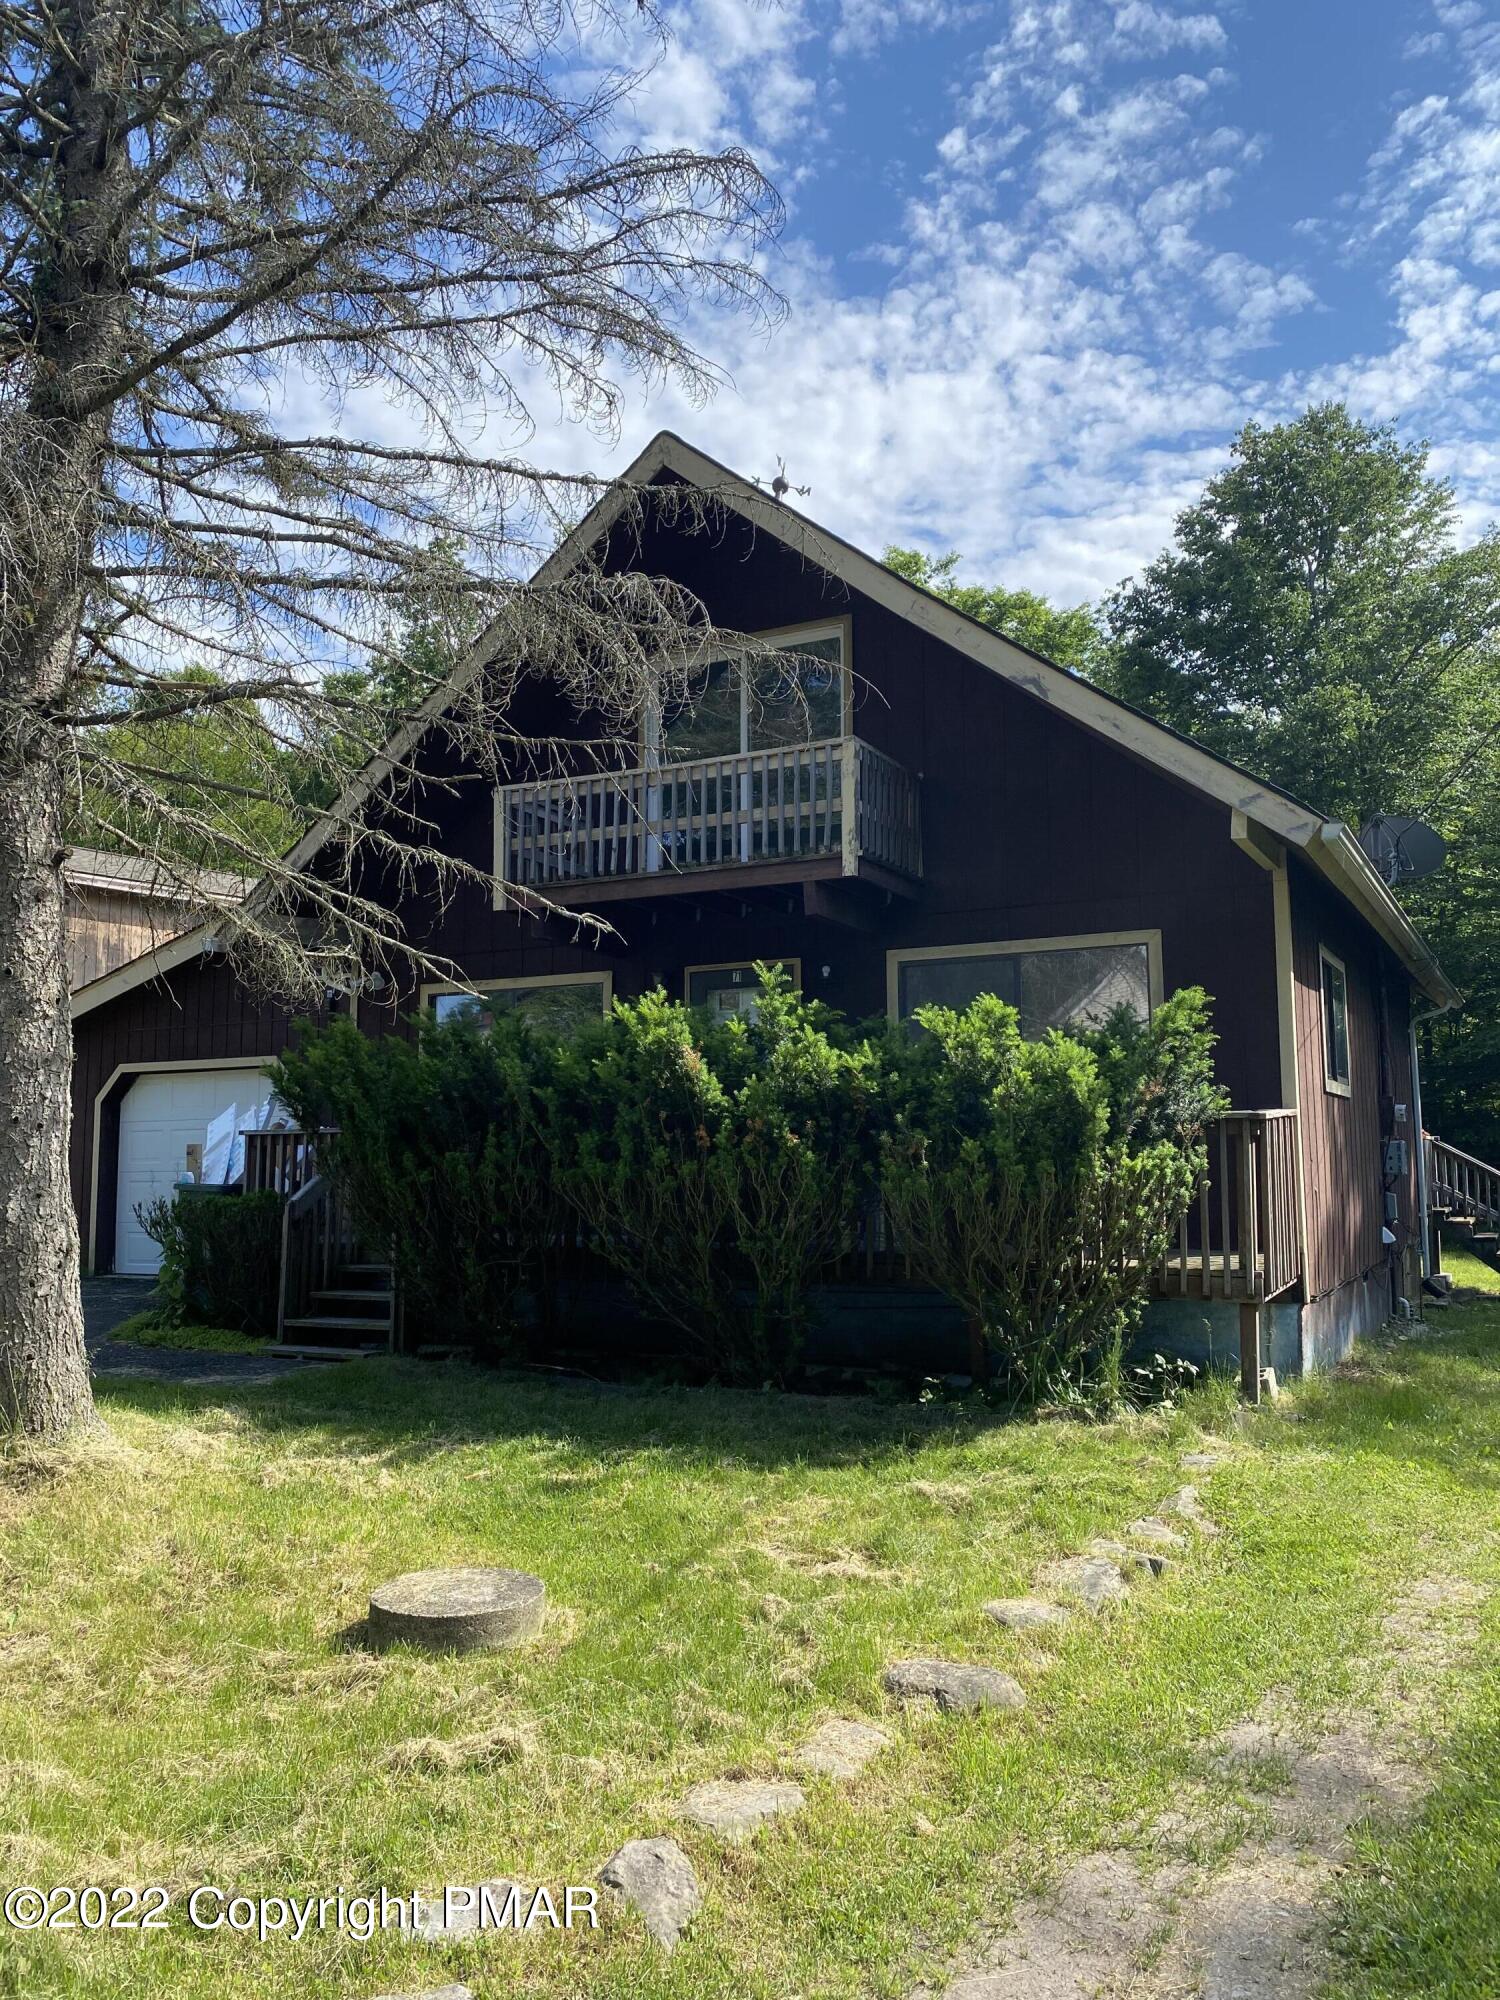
[
  {"x": 655, "y": 1878},
  {"x": 458, "y": 1610},
  {"x": 1157, "y": 1533},
  {"x": 1026, "y": 1614},
  {"x": 1184, "y": 1504},
  {"x": 1150, "y": 1562},
  {"x": 432, "y": 1993},
  {"x": 737, "y": 1808},
  {"x": 955, "y": 1689},
  {"x": 1090, "y": 1581},
  {"x": 1202, "y": 1458},
  {"x": 841, "y": 1749}
]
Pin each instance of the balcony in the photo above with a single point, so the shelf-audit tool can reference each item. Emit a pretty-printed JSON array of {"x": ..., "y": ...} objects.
[{"x": 802, "y": 812}]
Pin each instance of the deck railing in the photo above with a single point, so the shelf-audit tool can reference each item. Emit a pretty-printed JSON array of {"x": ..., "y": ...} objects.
[
  {"x": 1461, "y": 1184},
  {"x": 1242, "y": 1238},
  {"x": 317, "y": 1239},
  {"x": 838, "y": 799},
  {"x": 279, "y": 1162}
]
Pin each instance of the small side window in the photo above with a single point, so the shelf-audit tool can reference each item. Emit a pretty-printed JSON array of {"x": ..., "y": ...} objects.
[{"x": 1335, "y": 1024}]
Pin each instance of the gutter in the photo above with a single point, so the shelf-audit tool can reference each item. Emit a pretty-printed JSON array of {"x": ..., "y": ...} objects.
[{"x": 1339, "y": 856}]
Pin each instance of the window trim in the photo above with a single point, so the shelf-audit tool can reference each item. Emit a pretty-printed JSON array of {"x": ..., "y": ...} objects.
[
  {"x": 791, "y": 965},
  {"x": 648, "y": 735},
  {"x": 476, "y": 988},
  {"x": 1011, "y": 947},
  {"x": 1334, "y": 1086}
]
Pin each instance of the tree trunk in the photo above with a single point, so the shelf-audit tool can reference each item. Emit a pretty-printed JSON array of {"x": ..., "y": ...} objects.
[{"x": 44, "y": 1376}]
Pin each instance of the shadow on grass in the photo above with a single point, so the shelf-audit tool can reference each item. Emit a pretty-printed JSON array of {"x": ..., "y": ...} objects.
[{"x": 414, "y": 1409}]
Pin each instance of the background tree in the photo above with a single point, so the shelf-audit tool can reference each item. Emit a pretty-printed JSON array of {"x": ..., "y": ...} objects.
[
  {"x": 214, "y": 213},
  {"x": 1318, "y": 621},
  {"x": 1071, "y": 638}
]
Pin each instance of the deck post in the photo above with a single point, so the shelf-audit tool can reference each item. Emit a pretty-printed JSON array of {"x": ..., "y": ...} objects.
[{"x": 1250, "y": 1350}]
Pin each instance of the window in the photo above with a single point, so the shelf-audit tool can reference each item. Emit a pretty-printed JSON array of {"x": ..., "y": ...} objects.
[
  {"x": 797, "y": 696},
  {"x": 1335, "y": 1024},
  {"x": 729, "y": 990},
  {"x": 561, "y": 1004},
  {"x": 1051, "y": 982}
]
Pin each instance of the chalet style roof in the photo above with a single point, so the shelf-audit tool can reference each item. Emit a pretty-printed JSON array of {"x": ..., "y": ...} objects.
[{"x": 1265, "y": 816}]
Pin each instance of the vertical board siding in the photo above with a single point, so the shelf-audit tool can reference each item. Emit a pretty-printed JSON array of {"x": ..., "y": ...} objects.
[
  {"x": 1031, "y": 827},
  {"x": 200, "y": 1013},
  {"x": 1343, "y": 1137}
]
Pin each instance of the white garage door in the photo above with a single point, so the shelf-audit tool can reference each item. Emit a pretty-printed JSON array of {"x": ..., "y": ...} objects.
[{"x": 161, "y": 1115}]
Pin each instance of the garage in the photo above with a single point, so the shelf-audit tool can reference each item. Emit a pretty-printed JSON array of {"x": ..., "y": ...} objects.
[{"x": 163, "y": 1115}]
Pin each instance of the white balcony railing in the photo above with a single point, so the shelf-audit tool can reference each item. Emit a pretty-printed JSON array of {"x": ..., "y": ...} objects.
[{"x": 837, "y": 799}]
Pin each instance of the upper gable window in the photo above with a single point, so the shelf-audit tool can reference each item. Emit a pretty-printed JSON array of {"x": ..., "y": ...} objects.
[
  {"x": 797, "y": 695},
  {"x": 1335, "y": 1023}
]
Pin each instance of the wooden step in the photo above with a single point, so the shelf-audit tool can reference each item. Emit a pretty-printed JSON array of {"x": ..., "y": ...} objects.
[
  {"x": 364, "y": 1270},
  {"x": 298, "y": 1350},
  {"x": 334, "y": 1323},
  {"x": 365, "y": 1298}
]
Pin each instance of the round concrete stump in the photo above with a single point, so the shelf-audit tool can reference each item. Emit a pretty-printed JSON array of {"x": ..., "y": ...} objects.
[{"x": 458, "y": 1610}]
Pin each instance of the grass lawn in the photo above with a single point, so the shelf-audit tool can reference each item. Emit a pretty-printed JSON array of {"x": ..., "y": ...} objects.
[
  {"x": 149, "y": 1329},
  {"x": 180, "y": 1701}
]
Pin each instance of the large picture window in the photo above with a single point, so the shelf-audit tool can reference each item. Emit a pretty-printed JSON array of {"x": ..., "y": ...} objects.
[
  {"x": 1051, "y": 982},
  {"x": 795, "y": 696},
  {"x": 1335, "y": 1023},
  {"x": 562, "y": 1004}
]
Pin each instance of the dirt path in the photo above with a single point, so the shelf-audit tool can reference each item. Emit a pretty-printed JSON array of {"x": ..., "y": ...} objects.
[{"x": 1153, "y": 1923}]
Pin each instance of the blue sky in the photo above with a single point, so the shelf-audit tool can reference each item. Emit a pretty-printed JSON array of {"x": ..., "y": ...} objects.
[{"x": 1044, "y": 257}]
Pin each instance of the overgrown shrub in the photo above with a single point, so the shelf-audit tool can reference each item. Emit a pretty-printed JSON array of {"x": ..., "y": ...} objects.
[
  {"x": 220, "y": 1258},
  {"x": 1039, "y": 1183},
  {"x": 438, "y": 1147},
  {"x": 719, "y": 1166}
]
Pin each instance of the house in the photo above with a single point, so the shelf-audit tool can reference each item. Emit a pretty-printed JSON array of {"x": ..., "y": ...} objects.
[
  {"x": 120, "y": 906},
  {"x": 915, "y": 809}
]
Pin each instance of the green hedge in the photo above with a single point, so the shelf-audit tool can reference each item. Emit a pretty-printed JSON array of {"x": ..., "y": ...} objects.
[
  {"x": 220, "y": 1258},
  {"x": 722, "y": 1166}
]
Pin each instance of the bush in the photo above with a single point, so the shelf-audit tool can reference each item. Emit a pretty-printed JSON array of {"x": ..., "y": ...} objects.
[
  {"x": 220, "y": 1258},
  {"x": 719, "y": 1166},
  {"x": 1039, "y": 1183},
  {"x": 438, "y": 1147}
]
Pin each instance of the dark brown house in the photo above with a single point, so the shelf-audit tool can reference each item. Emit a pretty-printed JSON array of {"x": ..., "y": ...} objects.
[{"x": 916, "y": 809}]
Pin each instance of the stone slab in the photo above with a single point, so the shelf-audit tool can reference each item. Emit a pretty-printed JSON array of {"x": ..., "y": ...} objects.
[
  {"x": 954, "y": 1688},
  {"x": 1093, "y": 1582},
  {"x": 737, "y": 1808},
  {"x": 655, "y": 1878},
  {"x": 841, "y": 1748},
  {"x": 1026, "y": 1614}
]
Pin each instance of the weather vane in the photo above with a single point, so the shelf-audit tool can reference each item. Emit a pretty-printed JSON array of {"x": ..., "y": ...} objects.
[{"x": 781, "y": 485}]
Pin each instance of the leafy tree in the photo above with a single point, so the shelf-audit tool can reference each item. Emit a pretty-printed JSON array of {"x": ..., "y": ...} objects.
[
  {"x": 211, "y": 213},
  {"x": 210, "y": 772},
  {"x": 1070, "y": 638},
  {"x": 1318, "y": 622}
]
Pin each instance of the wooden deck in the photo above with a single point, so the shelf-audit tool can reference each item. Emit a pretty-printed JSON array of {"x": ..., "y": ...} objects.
[{"x": 838, "y": 801}]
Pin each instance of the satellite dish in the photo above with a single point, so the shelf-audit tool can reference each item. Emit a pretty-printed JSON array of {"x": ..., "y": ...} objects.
[{"x": 1403, "y": 850}]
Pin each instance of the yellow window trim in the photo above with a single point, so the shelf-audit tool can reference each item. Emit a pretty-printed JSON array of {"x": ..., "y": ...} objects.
[
  {"x": 791, "y": 965},
  {"x": 1012, "y": 947},
  {"x": 1333, "y": 1085}
]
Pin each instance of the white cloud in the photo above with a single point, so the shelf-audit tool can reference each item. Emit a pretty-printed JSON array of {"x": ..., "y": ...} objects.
[{"x": 1062, "y": 328}]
